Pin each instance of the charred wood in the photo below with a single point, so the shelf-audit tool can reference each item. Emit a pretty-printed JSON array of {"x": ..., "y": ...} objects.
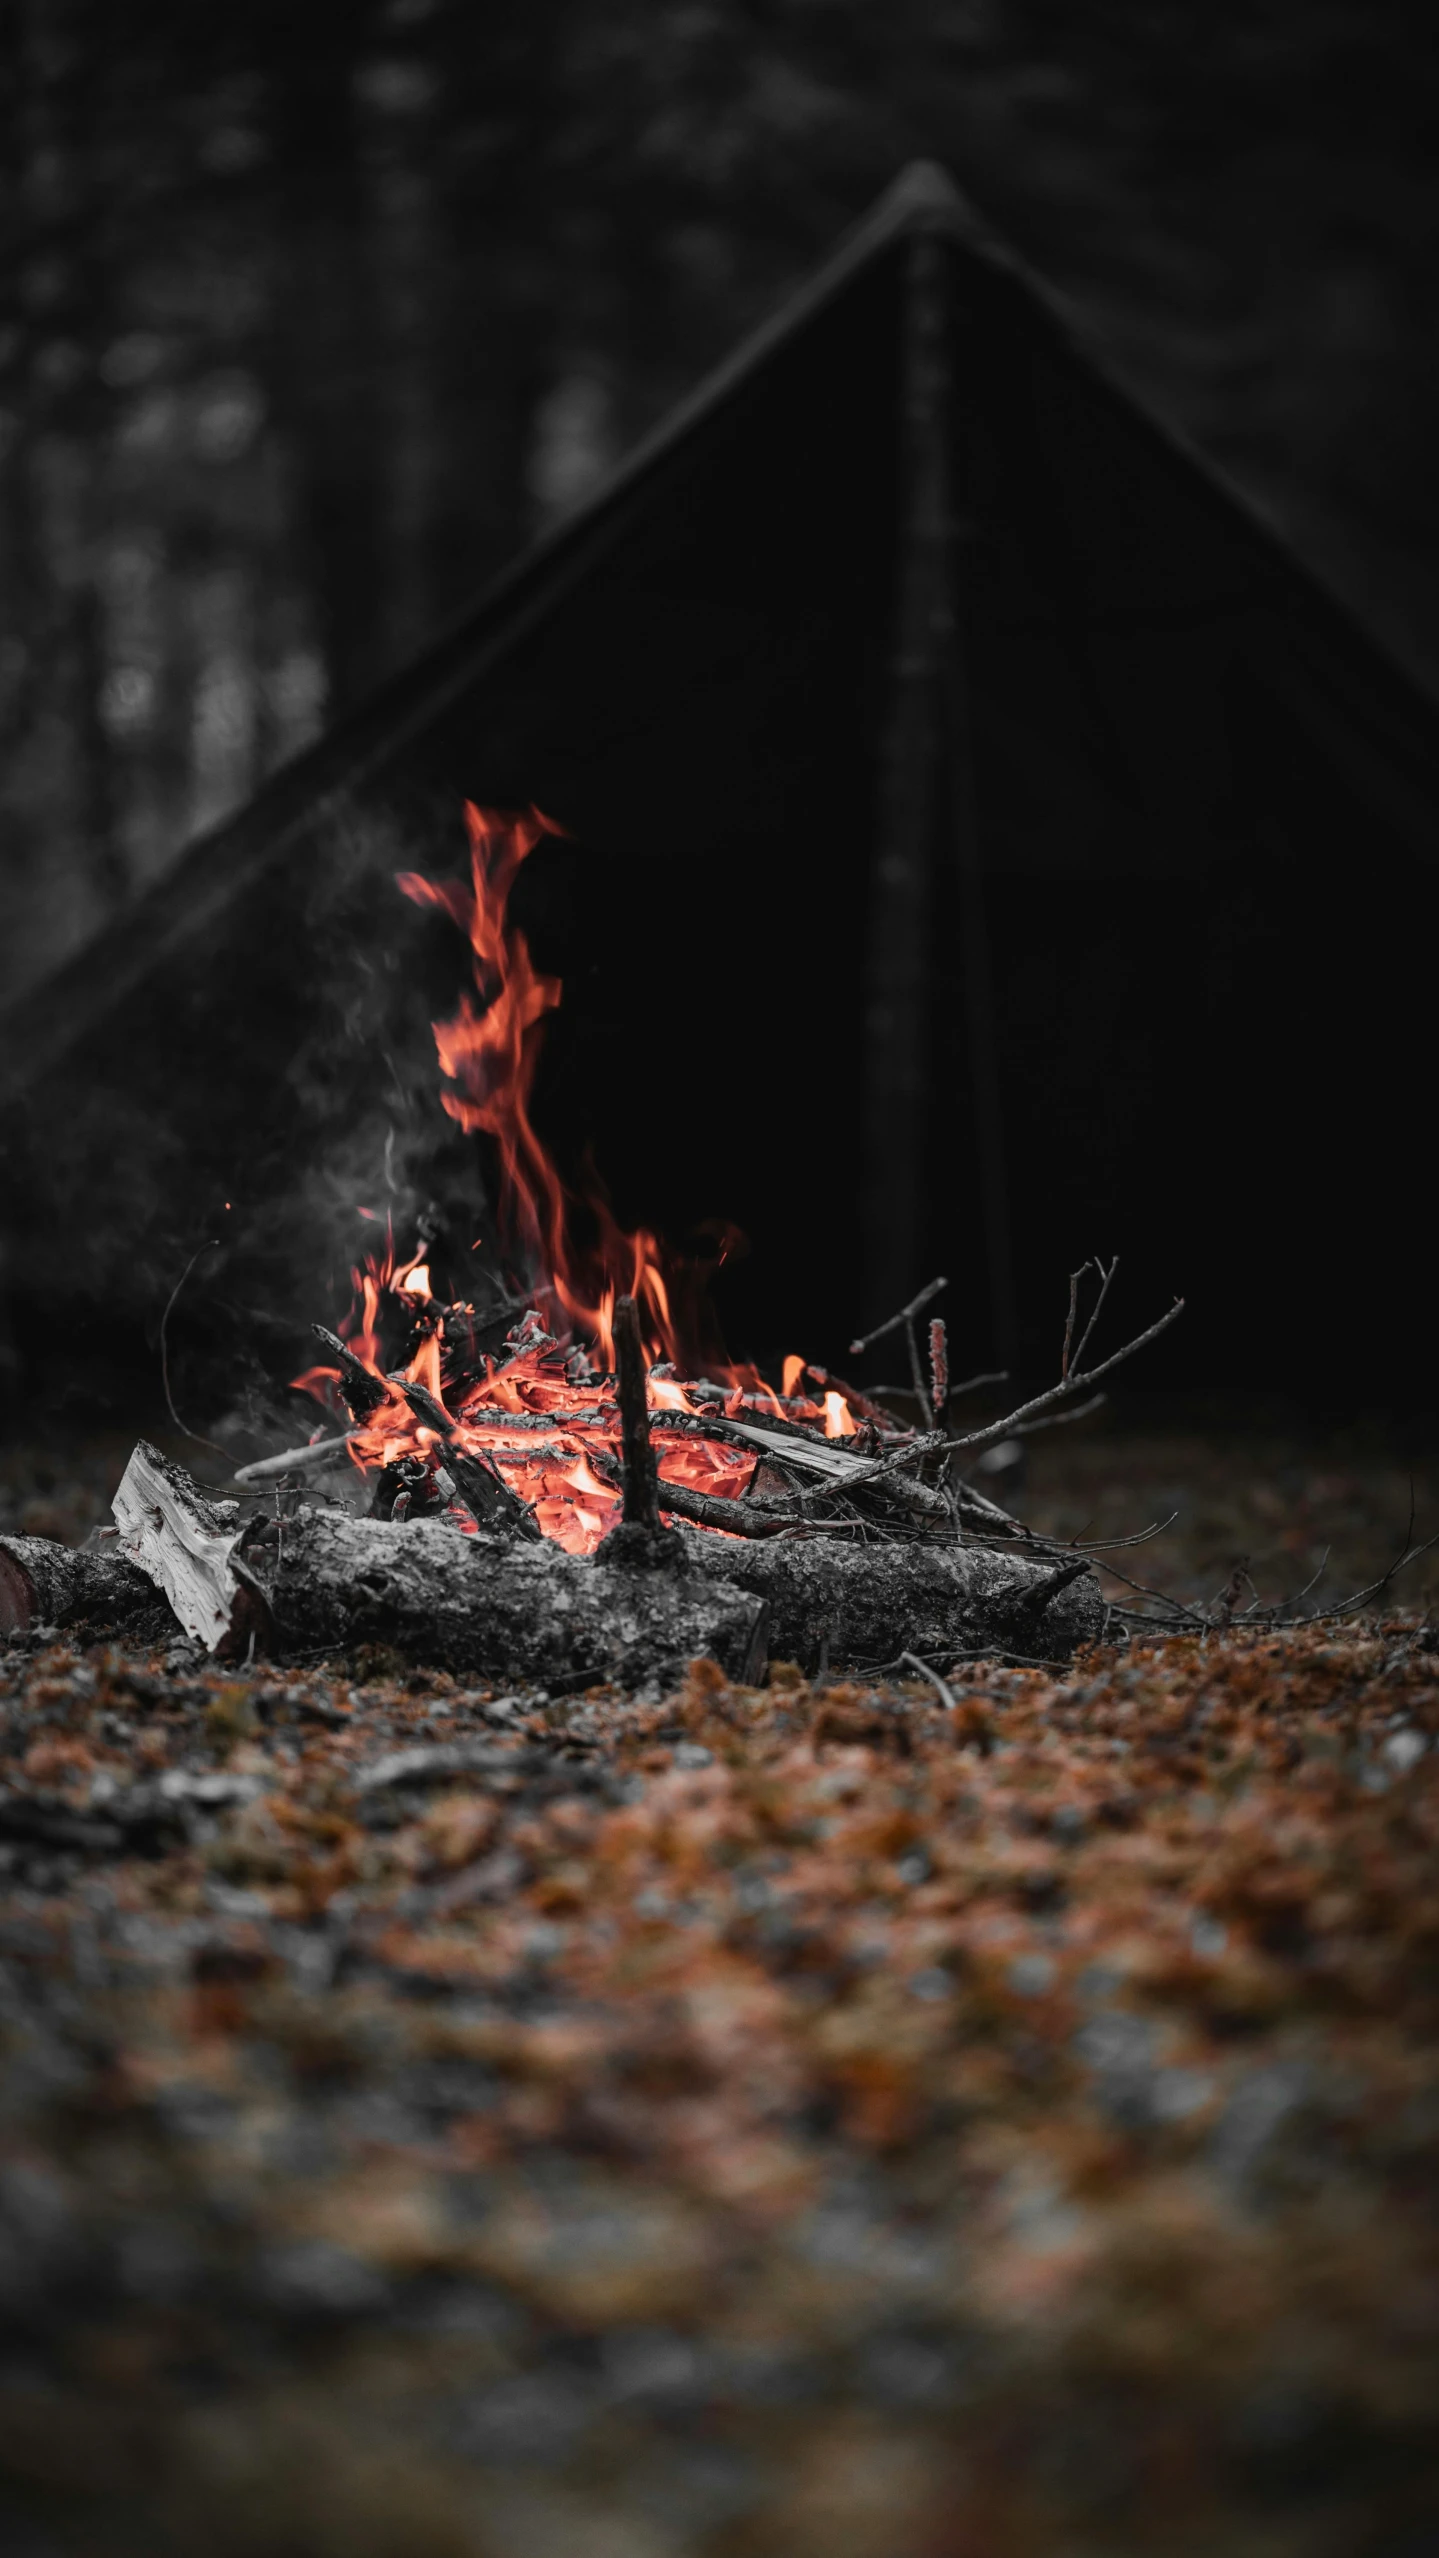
[
  {"x": 495, "y": 1416},
  {"x": 479, "y": 1483},
  {"x": 407, "y": 1480},
  {"x": 837, "y": 1470},
  {"x": 711, "y": 1510},
  {"x": 702, "y": 1509},
  {"x": 363, "y": 1392}
]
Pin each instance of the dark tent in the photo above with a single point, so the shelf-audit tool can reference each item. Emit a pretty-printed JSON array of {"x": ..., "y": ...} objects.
[{"x": 985, "y": 845}]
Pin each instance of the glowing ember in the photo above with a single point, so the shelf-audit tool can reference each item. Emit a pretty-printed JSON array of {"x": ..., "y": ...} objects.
[{"x": 544, "y": 1413}]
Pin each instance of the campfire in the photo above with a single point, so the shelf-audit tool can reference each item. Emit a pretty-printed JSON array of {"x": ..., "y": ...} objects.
[
  {"x": 509, "y": 1412},
  {"x": 509, "y": 1407},
  {"x": 555, "y": 1476}
]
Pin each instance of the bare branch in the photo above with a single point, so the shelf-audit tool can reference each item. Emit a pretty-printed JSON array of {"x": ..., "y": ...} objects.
[
  {"x": 986, "y": 1377},
  {"x": 1190, "y": 1616},
  {"x": 906, "y": 1314},
  {"x": 1106, "y": 1282},
  {"x": 1054, "y": 1420},
  {"x": 1361, "y": 1598},
  {"x": 1040, "y": 1544},
  {"x": 1223, "y": 1605},
  {"x": 1045, "y": 1402},
  {"x": 1074, "y": 1279},
  {"x": 1115, "y": 1545},
  {"x": 1277, "y": 1612},
  {"x": 969, "y": 1385}
]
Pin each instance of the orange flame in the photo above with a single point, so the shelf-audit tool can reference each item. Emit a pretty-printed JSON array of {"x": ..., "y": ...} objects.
[
  {"x": 488, "y": 1054},
  {"x": 552, "y": 1432}
]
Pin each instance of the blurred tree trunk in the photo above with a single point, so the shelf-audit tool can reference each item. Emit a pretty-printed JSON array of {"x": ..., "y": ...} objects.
[
  {"x": 406, "y": 256},
  {"x": 324, "y": 369},
  {"x": 61, "y": 850}
]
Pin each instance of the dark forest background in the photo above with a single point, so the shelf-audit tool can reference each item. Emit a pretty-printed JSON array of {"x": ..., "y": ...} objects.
[{"x": 313, "y": 312}]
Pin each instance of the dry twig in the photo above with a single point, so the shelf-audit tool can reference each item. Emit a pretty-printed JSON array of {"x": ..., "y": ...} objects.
[
  {"x": 905, "y": 1315},
  {"x": 944, "y": 1692},
  {"x": 1009, "y": 1425},
  {"x": 183, "y": 1427}
]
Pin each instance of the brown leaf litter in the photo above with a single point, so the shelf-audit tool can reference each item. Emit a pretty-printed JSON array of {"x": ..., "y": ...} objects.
[{"x": 754, "y": 2123}]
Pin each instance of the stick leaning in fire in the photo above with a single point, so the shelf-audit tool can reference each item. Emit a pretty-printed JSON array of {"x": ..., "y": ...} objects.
[
  {"x": 641, "y": 1487},
  {"x": 480, "y": 1484}
]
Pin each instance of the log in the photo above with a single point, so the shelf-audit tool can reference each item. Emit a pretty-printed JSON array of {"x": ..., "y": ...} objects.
[
  {"x": 495, "y": 1608},
  {"x": 932, "y": 1598},
  {"x": 653, "y": 1598},
  {"x": 491, "y": 1607},
  {"x": 80, "y": 1590}
]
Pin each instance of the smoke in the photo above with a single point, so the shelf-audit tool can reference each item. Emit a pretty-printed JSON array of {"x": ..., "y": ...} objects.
[{"x": 271, "y": 1087}]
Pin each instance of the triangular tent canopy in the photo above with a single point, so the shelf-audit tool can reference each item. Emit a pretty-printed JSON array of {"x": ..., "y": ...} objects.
[{"x": 985, "y": 845}]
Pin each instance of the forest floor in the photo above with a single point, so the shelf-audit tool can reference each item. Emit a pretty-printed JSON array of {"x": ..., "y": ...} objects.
[{"x": 744, "y": 2123}]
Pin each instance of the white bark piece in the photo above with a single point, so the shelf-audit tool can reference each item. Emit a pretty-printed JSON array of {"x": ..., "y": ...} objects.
[{"x": 182, "y": 1539}]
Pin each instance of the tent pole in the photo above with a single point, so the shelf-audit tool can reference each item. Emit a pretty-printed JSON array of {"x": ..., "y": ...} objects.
[
  {"x": 896, "y": 1021},
  {"x": 978, "y": 982},
  {"x": 976, "y": 965},
  {"x": 928, "y": 747}
]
